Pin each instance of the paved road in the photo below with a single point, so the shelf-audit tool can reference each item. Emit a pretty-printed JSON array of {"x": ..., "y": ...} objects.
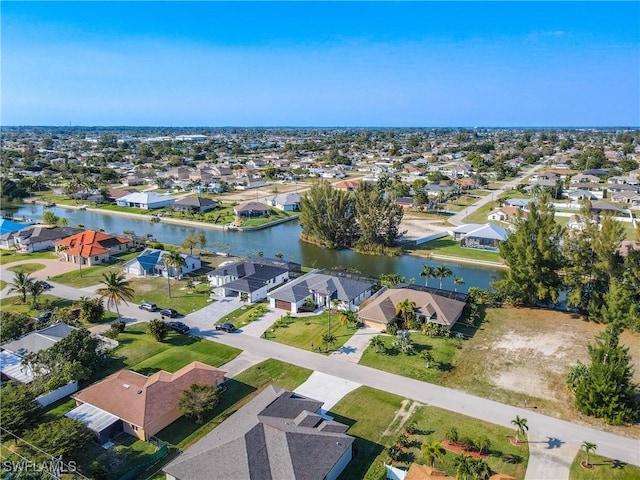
[
  {"x": 458, "y": 218},
  {"x": 554, "y": 431}
]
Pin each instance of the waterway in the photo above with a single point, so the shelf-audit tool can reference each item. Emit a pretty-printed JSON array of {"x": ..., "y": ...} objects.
[{"x": 282, "y": 238}]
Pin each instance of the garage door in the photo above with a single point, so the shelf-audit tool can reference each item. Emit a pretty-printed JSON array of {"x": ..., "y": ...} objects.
[{"x": 281, "y": 304}]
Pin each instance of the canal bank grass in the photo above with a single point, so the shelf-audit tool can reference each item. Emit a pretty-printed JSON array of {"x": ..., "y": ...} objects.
[
  {"x": 245, "y": 314},
  {"x": 184, "y": 432},
  {"x": 27, "y": 267},
  {"x": 392, "y": 360},
  {"x": 306, "y": 332},
  {"x": 447, "y": 246},
  {"x": 520, "y": 354},
  {"x": 7, "y": 256},
  {"x": 603, "y": 467},
  {"x": 374, "y": 433}
]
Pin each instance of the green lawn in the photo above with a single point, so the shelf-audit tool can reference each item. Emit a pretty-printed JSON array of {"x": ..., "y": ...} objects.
[
  {"x": 3, "y": 284},
  {"x": 12, "y": 256},
  {"x": 447, "y": 246},
  {"x": 376, "y": 432},
  {"x": 245, "y": 314},
  {"x": 303, "y": 332},
  {"x": 118, "y": 208},
  {"x": 14, "y": 304},
  {"x": 154, "y": 289},
  {"x": 480, "y": 215},
  {"x": 27, "y": 267},
  {"x": 393, "y": 361},
  {"x": 603, "y": 467},
  {"x": 185, "y": 432},
  {"x": 89, "y": 276}
]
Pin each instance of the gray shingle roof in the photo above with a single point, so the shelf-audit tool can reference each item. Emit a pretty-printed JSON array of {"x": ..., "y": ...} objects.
[
  {"x": 270, "y": 438},
  {"x": 342, "y": 288}
]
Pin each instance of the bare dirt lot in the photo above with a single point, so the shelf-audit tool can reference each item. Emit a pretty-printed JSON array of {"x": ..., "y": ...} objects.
[{"x": 524, "y": 354}]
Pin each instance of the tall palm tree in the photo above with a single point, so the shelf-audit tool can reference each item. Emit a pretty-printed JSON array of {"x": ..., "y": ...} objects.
[
  {"x": 428, "y": 271},
  {"x": 117, "y": 289},
  {"x": 588, "y": 448},
  {"x": 521, "y": 426},
  {"x": 406, "y": 310},
  {"x": 21, "y": 284},
  {"x": 173, "y": 260},
  {"x": 35, "y": 289},
  {"x": 442, "y": 272},
  {"x": 457, "y": 281},
  {"x": 433, "y": 451}
]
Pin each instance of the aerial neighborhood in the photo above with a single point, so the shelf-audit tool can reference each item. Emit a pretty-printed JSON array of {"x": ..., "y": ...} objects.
[{"x": 314, "y": 303}]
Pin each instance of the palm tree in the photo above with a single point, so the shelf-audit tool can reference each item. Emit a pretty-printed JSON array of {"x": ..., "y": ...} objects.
[
  {"x": 428, "y": 271},
  {"x": 427, "y": 357},
  {"x": 117, "y": 289},
  {"x": 588, "y": 448},
  {"x": 406, "y": 310},
  {"x": 21, "y": 284},
  {"x": 457, "y": 281},
  {"x": 521, "y": 426},
  {"x": 35, "y": 289},
  {"x": 433, "y": 451},
  {"x": 173, "y": 260},
  {"x": 483, "y": 443},
  {"x": 377, "y": 343},
  {"x": 452, "y": 435},
  {"x": 480, "y": 469},
  {"x": 347, "y": 317},
  {"x": 442, "y": 272},
  {"x": 464, "y": 467}
]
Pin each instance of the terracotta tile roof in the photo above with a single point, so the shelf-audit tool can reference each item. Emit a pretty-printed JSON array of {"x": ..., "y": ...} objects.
[
  {"x": 90, "y": 243},
  {"x": 423, "y": 472},
  {"x": 141, "y": 400}
]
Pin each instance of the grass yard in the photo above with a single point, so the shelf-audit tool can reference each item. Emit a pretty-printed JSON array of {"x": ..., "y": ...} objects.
[
  {"x": 89, "y": 276},
  {"x": 392, "y": 360},
  {"x": 7, "y": 256},
  {"x": 27, "y": 267},
  {"x": 303, "y": 332},
  {"x": 3, "y": 284},
  {"x": 14, "y": 304},
  {"x": 602, "y": 468},
  {"x": 245, "y": 314},
  {"x": 447, "y": 246},
  {"x": 154, "y": 289},
  {"x": 480, "y": 215},
  {"x": 185, "y": 432},
  {"x": 392, "y": 414}
]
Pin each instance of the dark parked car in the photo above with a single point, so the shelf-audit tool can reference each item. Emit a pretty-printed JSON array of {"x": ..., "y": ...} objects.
[
  {"x": 168, "y": 312},
  {"x": 148, "y": 306},
  {"x": 226, "y": 327},
  {"x": 44, "y": 316},
  {"x": 179, "y": 327},
  {"x": 47, "y": 285}
]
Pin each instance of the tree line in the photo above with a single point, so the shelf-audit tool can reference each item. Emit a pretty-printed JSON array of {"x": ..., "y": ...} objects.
[{"x": 365, "y": 219}]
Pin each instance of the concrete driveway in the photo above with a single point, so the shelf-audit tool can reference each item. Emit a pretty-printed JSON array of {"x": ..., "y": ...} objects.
[{"x": 326, "y": 388}]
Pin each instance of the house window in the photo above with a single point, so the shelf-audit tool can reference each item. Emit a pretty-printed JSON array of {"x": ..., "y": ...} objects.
[{"x": 95, "y": 258}]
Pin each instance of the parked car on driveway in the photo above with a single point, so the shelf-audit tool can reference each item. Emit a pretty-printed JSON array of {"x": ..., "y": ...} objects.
[
  {"x": 169, "y": 312},
  {"x": 226, "y": 327},
  {"x": 179, "y": 327},
  {"x": 148, "y": 306},
  {"x": 44, "y": 316},
  {"x": 46, "y": 285}
]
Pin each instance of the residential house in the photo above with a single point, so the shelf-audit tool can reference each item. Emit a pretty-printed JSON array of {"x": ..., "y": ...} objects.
[
  {"x": 630, "y": 198},
  {"x": 323, "y": 288},
  {"x": 255, "y": 277},
  {"x": 486, "y": 237},
  {"x": 136, "y": 404},
  {"x": 432, "y": 306},
  {"x": 404, "y": 202},
  {"x": 278, "y": 435},
  {"x": 582, "y": 178},
  {"x": 249, "y": 182},
  {"x": 91, "y": 248},
  {"x": 34, "y": 342},
  {"x": 506, "y": 214},
  {"x": 145, "y": 200},
  {"x": 289, "y": 202},
  {"x": 7, "y": 229},
  {"x": 601, "y": 206},
  {"x": 348, "y": 185},
  {"x": 251, "y": 209},
  {"x": 522, "y": 203},
  {"x": 578, "y": 195},
  {"x": 415, "y": 472},
  {"x": 194, "y": 204},
  {"x": 39, "y": 237},
  {"x": 151, "y": 263}
]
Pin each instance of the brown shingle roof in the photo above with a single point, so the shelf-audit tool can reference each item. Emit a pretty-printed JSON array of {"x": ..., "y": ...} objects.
[
  {"x": 139, "y": 399},
  {"x": 382, "y": 309},
  {"x": 424, "y": 472}
]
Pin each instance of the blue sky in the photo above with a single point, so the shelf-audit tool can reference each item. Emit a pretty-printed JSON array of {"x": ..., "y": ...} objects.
[{"x": 321, "y": 64}]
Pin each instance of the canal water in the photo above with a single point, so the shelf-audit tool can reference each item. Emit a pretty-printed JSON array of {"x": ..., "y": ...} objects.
[{"x": 282, "y": 238}]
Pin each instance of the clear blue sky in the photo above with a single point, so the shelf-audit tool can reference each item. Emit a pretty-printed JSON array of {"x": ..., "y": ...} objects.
[{"x": 321, "y": 64}]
